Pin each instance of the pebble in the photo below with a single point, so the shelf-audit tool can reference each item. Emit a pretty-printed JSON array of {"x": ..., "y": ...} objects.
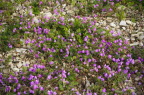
[
  {"x": 2, "y": 66},
  {"x": 20, "y": 50},
  {"x": 15, "y": 69},
  {"x": 134, "y": 44},
  {"x": 123, "y": 23},
  {"x": 129, "y": 22},
  {"x": 137, "y": 78},
  {"x": 6, "y": 71},
  {"x": 112, "y": 24},
  {"x": 19, "y": 64},
  {"x": 123, "y": 28},
  {"x": 141, "y": 37},
  {"x": 135, "y": 35},
  {"x": 47, "y": 15},
  {"x": 35, "y": 20}
]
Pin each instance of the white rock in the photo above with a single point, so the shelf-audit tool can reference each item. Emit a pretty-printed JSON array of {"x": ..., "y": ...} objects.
[
  {"x": 109, "y": 18},
  {"x": 141, "y": 37},
  {"x": 2, "y": 66},
  {"x": 141, "y": 44},
  {"x": 35, "y": 20},
  {"x": 47, "y": 15},
  {"x": 123, "y": 28},
  {"x": 71, "y": 19},
  {"x": 129, "y": 22},
  {"x": 64, "y": 5},
  {"x": 132, "y": 38},
  {"x": 137, "y": 78},
  {"x": 9, "y": 54},
  {"x": 19, "y": 64},
  {"x": 14, "y": 14},
  {"x": 97, "y": 24},
  {"x": 20, "y": 50},
  {"x": 15, "y": 69},
  {"x": 123, "y": 23},
  {"x": 127, "y": 38},
  {"x": 104, "y": 23},
  {"x": 121, "y": 7},
  {"x": 134, "y": 24},
  {"x": 135, "y": 35},
  {"x": 70, "y": 12},
  {"x": 11, "y": 64},
  {"x": 134, "y": 44},
  {"x": 112, "y": 24},
  {"x": 140, "y": 33},
  {"x": 21, "y": 11},
  {"x": 64, "y": 13},
  {"x": 6, "y": 71}
]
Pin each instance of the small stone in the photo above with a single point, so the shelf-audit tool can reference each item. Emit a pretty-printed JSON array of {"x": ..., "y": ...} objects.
[
  {"x": 123, "y": 28},
  {"x": 64, "y": 13},
  {"x": 16, "y": 69},
  {"x": 2, "y": 66},
  {"x": 97, "y": 24},
  {"x": 47, "y": 15},
  {"x": 121, "y": 7},
  {"x": 132, "y": 38},
  {"x": 134, "y": 24},
  {"x": 137, "y": 61},
  {"x": 112, "y": 24},
  {"x": 70, "y": 12},
  {"x": 137, "y": 78},
  {"x": 134, "y": 44},
  {"x": 123, "y": 23},
  {"x": 20, "y": 50},
  {"x": 71, "y": 19},
  {"x": 129, "y": 22},
  {"x": 14, "y": 14},
  {"x": 141, "y": 44},
  {"x": 140, "y": 33},
  {"x": 35, "y": 20},
  {"x": 141, "y": 37},
  {"x": 109, "y": 18},
  {"x": 19, "y": 64},
  {"x": 104, "y": 23},
  {"x": 6, "y": 71},
  {"x": 64, "y": 5},
  {"x": 21, "y": 11},
  {"x": 135, "y": 35},
  {"x": 127, "y": 38}
]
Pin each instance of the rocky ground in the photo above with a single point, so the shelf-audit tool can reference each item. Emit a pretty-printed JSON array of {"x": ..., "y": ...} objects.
[{"x": 132, "y": 31}]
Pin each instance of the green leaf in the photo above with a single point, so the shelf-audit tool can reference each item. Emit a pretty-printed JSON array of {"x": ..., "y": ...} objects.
[{"x": 60, "y": 85}]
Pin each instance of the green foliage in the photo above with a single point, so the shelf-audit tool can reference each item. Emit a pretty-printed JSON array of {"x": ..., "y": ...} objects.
[
  {"x": 35, "y": 8},
  {"x": 137, "y": 52}
]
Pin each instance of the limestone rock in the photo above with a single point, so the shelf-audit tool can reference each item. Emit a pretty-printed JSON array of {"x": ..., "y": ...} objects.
[
  {"x": 19, "y": 64},
  {"x": 141, "y": 37},
  {"x": 15, "y": 69},
  {"x": 20, "y": 50},
  {"x": 113, "y": 24},
  {"x": 123, "y": 23},
  {"x": 35, "y": 20},
  {"x": 129, "y": 22},
  {"x": 6, "y": 71},
  {"x": 47, "y": 15},
  {"x": 134, "y": 44}
]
